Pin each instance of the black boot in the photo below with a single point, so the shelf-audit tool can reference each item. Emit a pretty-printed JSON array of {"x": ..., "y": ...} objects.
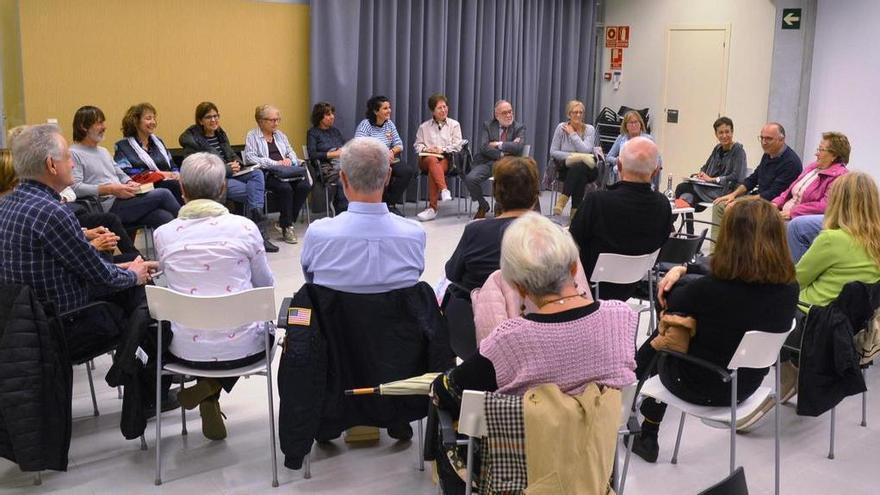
[
  {"x": 645, "y": 444},
  {"x": 263, "y": 224}
]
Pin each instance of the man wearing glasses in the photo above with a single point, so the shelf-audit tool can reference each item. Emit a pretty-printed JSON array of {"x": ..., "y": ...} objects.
[
  {"x": 499, "y": 137},
  {"x": 779, "y": 167}
]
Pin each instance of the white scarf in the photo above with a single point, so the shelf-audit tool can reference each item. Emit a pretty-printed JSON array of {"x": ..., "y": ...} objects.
[
  {"x": 145, "y": 157},
  {"x": 201, "y": 208}
]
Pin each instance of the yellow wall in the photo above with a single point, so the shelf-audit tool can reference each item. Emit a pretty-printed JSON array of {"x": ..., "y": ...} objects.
[
  {"x": 10, "y": 58},
  {"x": 171, "y": 53}
]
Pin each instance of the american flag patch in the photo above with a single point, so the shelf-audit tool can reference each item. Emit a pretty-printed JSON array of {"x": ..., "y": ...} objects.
[{"x": 299, "y": 316}]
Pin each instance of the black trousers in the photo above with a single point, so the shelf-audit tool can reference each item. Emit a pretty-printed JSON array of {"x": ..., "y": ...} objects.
[
  {"x": 291, "y": 197},
  {"x": 99, "y": 329},
  {"x": 401, "y": 175},
  {"x": 228, "y": 382},
  {"x": 576, "y": 179}
]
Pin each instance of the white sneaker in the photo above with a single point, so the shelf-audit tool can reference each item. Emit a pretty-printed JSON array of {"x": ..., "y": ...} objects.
[
  {"x": 427, "y": 215},
  {"x": 445, "y": 195}
]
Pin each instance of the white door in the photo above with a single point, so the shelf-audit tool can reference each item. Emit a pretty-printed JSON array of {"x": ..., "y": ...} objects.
[{"x": 695, "y": 89}]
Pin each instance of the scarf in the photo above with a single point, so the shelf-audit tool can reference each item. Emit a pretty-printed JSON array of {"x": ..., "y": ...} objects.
[
  {"x": 201, "y": 208},
  {"x": 145, "y": 157}
]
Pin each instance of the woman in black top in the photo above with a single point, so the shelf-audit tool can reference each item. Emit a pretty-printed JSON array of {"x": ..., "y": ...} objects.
[
  {"x": 751, "y": 286},
  {"x": 141, "y": 150},
  {"x": 479, "y": 250},
  {"x": 247, "y": 188},
  {"x": 324, "y": 143}
]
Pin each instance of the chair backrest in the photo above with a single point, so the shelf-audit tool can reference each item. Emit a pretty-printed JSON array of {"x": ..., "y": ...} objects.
[
  {"x": 681, "y": 248},
  {"x": 735, "y": 484},
  {"x": 462, "y": 331},
  {"x": 527, "y": 150},
  {"x": 212, "y": 312},
  {"x": 472, "y": 420},
  {"x": 621, "y": 268},
  {"x": 305, "y": 152},
  {"x": 758, "y": 349},
  {"x": 627, "y": 395}
]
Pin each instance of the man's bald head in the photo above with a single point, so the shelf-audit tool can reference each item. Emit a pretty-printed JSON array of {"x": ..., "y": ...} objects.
[{"x": 638, "y": 160}]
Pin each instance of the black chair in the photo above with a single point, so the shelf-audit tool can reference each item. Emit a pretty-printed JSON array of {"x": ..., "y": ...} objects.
[
  {"x": 459, "y": 314},
  {"x": 680, "y": 249},
  {"x": 319, "y": 182},
  {"x": 735, "y": 484}
]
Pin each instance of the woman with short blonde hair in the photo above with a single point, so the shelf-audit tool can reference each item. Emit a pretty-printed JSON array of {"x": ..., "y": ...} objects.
[{"x": 571, "y": 151}]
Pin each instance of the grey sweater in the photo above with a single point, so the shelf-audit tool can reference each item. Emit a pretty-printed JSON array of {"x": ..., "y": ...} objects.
[{"x": 95, "y": 167}]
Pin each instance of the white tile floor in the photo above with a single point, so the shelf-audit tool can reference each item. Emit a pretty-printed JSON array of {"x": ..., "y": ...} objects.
[{"x": 101, "y": 461}]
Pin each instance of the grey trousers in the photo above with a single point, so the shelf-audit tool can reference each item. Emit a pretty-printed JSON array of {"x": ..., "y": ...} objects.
[{"x": 474, "y": 182}]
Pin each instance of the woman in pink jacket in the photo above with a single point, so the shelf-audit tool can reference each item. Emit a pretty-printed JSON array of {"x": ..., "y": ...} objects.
[{"x": 808, "y": 194}]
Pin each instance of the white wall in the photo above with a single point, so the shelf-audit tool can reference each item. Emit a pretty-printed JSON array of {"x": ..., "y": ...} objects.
[
  {"x": 644, "y": 62},
  {"x": 845, "y": 82}
]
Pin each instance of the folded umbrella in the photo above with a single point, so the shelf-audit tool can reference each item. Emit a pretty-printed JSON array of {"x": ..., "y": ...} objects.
[{"x": 417, "y": 385}]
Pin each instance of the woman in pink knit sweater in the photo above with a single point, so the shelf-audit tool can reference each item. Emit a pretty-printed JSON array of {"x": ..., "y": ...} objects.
[{"x": 570, "y": 340}]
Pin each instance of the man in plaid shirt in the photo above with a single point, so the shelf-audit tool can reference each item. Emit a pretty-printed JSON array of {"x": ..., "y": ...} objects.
[{"x": 42, "y": 245}]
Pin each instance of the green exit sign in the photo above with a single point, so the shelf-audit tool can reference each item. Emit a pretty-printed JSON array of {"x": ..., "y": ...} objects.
[{"x": 791, "y": 18}]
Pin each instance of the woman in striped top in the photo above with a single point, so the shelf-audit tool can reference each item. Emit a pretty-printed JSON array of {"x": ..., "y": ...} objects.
[{"x": 378, "y": 125}]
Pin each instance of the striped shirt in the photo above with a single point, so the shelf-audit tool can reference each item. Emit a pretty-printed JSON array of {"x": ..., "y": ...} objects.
[
  {"x": 387, "y": 133},
  {"x": 42, "y": 245}
]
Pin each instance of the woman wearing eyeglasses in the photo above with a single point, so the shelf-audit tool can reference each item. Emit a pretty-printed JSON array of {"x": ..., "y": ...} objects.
[
  {"x": 808, "y": 194},
  {"x": 269, "y": 148},
  {"x": 247, "y": 188}
]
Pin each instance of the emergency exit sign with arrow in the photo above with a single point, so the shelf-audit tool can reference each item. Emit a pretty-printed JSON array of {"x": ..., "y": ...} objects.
[{"x": 791, "y": 18}]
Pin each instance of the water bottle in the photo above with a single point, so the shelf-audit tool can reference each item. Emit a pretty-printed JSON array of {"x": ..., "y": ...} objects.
[{"x": 670, "y": 194}]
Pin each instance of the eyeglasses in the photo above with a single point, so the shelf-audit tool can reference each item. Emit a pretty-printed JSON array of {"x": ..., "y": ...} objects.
[
  {"x": 766, "y": 139},
  {"x": 274, "y": 121},
  {"x": 215, "y": 116}
]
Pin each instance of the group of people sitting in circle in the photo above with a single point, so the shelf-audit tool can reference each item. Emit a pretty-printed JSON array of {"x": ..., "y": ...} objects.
[{"x": 766, "y": 268}]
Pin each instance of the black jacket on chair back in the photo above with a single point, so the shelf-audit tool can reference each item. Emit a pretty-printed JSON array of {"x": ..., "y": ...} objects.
[
  {"x": 35, "y": 383},
  {"x": 340, "y": 340}
]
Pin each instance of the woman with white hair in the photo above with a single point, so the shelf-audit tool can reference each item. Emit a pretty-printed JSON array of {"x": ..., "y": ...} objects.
[
  {"x": 269, "y": 148},
  {"x": 571, "y": 340},
  {"x": 207, "y": 252}
]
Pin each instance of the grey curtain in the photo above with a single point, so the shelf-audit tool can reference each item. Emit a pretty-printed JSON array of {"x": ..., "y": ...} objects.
[{"x": 538, "y": 54}]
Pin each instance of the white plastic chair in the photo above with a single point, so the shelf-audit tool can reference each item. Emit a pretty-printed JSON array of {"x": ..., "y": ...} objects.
[
  {"x": 625, "y": 269},
  {"x": 213, "y": 313},
  {"x": 627, "y": 429},
  {"x": 472, "y": 422},
  {"x": 756, "y": 350}
]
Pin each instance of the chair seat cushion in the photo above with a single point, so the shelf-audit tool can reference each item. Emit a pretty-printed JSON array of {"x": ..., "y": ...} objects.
[{"x": 654, "y": 388}]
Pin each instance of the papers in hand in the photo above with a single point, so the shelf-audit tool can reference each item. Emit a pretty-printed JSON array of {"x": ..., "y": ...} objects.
[
  {"x": 435, "y": 155},
  {"x": 702, "y": 182},
  {"x": 245, "y": 170}
]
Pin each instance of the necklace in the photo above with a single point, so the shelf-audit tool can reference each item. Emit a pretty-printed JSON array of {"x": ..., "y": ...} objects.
[{"x": 558, "y": 300}]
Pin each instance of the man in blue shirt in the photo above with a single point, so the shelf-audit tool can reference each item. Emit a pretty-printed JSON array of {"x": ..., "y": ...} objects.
[
  {"x": 365, "y": 250},
  {"x": 42, "y": 245}
]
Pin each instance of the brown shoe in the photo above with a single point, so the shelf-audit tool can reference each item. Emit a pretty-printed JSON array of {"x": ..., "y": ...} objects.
[
  {"x": 193, "y": 396},
  {"x": 788, "y": 381},
  {"x": 212, "y": 420},
  {"x": 481, "y": 213},
  {"x": 743, "y": 424}
]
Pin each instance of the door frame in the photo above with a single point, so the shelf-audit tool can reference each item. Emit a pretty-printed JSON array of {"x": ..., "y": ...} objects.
[{"x": 725, "y": 63}]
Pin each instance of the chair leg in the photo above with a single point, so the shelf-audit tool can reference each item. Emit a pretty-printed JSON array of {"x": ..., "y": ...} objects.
[
  {"x": 271, "y": 410},
  {"x": 615, "y": 468},
  {"x": 831, "y": 442},
  {"x": 864, "y": 404},
  {"x": 629, "y": 450},
  {"x": 183, "y": 421},
  {"x": 143, "y": 443},
  {"x": 733, "y": 390},
  {"x": 158, "y": 480},
  {"x": 777, "y": 428},
  {"x": 92, "y": 390},
  {"x": 470, "y": 465},
  {"x": 38, "y": 478},
  {"x": 678, "y": 439},
  {"x": 420, "y": 452},
  {"x": 307, "y": 474}
]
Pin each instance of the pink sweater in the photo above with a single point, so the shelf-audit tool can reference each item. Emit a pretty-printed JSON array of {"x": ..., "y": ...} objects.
[{"x": 599, "y": 347}]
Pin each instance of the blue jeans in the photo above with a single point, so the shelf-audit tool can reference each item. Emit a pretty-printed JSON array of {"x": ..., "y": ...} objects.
[
  {"x": 248, "y": 189},
  {"x": 801, "y": 231}
]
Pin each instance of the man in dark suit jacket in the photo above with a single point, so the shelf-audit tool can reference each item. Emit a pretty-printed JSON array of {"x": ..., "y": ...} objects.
[
  {"x": 499, "y": 137},
  {"x": 628, "y": 218}
]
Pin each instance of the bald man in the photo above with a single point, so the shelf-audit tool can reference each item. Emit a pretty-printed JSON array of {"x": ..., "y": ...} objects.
[
  {"x": 499, "y": 137},
  {"x": 627, "y": 218}
]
